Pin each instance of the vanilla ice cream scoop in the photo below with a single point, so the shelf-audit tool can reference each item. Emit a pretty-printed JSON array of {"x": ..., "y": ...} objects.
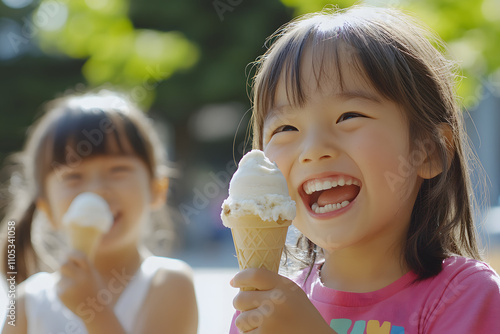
[
  {"x": 258, "y": 188},
  {"x": 89, "y": 210},
  {"x": 88, "y": 218}
]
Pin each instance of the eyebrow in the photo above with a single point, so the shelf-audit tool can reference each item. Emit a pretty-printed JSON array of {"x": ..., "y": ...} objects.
[
  {"x": 358, "y": 94},
  {"x": 345, "y": 95}
]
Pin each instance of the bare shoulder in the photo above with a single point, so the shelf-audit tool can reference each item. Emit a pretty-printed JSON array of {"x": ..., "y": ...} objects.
[
  {"x": 15, "y": 321},
  {"x": 168, "y": 275},
  {"x": 171, "y": 299},
  {"x": 171, "y": 271},
  {"x": 174, "y": 281}
]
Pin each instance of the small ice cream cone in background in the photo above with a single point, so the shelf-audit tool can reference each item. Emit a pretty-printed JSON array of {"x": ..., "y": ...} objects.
[
  {"x": 259, "y": 211},
  {"x": 88, "y": 218},
  {"x": 84, "y": 239}
]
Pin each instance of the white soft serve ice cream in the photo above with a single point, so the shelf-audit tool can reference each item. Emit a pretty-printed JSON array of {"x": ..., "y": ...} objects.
[
  {"x": 89, "y": 210},
  {"x": 258, "y": 188}
]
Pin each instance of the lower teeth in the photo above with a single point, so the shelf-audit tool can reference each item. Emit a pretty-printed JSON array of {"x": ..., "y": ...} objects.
[{"x": 329, "y": 207}]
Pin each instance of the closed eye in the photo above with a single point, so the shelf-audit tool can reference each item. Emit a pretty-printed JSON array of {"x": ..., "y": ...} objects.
[
  {"x": 72, "y": 176},
  {"x": 121, "y": 169},
  {"x": 285, "y": 128},
  {"x": 348, "y": 115}
]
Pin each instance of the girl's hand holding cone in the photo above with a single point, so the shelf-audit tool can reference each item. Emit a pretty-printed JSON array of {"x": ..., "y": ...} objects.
[
  {"x": 78, "y": 280},
  {"x": 279, "y": 305}
]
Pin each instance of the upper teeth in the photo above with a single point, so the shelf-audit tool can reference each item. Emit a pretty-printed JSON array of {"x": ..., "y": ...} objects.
[{"x": 317, "y": 185}]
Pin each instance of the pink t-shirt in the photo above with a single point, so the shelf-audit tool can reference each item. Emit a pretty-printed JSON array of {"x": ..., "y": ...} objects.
[{"x": 463, "y": 298}]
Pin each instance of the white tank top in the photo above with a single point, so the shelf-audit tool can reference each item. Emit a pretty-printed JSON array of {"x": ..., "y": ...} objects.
[{"x": 46, "y": 314}]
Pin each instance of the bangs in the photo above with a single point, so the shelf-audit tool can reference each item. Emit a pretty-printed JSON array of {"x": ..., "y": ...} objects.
[
  {"x": 84, "y": 133},
  {"x": 88, "y": 135},
  {"x": 340, "y": 42},
  {"x": 322, "y": 49}
]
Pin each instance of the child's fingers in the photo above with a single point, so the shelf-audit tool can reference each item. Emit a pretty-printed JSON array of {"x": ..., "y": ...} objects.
[
  {"x": 79, "y": 259},
  {"x": 69, "y": 269},
  {"x": 260, "y": 279},
  {"x": 248, "y": 322},
  {"x": 249, "y": 300},
  {"x": 75, "y": 265}
]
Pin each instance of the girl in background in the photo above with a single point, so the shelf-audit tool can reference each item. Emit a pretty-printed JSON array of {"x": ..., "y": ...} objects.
[
  {"x": 101, "y": 143},
  {"x": 358, "y": 110}
]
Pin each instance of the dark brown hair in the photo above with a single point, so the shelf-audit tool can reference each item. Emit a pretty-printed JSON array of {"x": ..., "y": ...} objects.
[
  {"x": 397, "y": 57},
  {"x": 73, "y": 128}
]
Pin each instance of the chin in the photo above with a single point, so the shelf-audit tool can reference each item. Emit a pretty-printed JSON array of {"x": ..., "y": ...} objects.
[{"x": 331, "y": 241}]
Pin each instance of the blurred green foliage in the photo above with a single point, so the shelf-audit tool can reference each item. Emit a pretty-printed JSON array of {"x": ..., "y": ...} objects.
[
  {"x": 470, "y": 28},
  {"x": 115, "y": 51},
  {"x": 174, "y": 57}
]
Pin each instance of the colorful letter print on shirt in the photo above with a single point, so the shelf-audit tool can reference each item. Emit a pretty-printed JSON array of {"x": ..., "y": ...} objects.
[{"x": 346, "y": 326}]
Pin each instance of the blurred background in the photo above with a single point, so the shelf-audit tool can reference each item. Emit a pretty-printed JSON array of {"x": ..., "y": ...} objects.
[{"x": 187, "y": 63}]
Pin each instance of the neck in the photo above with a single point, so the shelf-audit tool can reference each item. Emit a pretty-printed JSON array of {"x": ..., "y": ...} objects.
[
  {"x": 363, "y": 268},
  {"x": 123, "y": 261}
]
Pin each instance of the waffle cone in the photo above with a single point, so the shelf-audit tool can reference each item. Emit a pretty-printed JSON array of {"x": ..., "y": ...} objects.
[
  {"x": 84, "y": 239},
  {"x": 258, "y": 243}
]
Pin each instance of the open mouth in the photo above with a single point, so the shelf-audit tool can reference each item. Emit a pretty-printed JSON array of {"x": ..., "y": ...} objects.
[
  {"x": 330, "y": 194},
  {"x": 117, "y": 217}
]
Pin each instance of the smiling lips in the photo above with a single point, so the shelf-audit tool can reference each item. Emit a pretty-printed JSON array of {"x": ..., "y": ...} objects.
[{"x": 330, "y": 194}]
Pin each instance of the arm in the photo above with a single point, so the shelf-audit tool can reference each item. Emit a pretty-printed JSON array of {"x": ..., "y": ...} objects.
[
  {"x": 79, "y": 280},
  {"x": 279, "y": 305},
  {"x": 170, "y": 305},
  {"x": 21, "y": 326}
]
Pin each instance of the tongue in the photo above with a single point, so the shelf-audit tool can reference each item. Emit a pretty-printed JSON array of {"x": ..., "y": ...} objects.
[{"x": 338, "y": 195}]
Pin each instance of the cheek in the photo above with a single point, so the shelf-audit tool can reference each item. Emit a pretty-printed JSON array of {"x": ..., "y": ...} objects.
[
  {"x": 59, "y": 200},
  {"x": 283, "y": 159},
  {"x": 58, "y": 207},
  {"x": 140, "y": 192},
  {"x": 387, "y": 166},
  {"x": 278, "y": 155}
]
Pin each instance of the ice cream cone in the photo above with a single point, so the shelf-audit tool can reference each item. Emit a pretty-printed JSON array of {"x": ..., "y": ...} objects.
[
  {"x": 85, "y": 239},
  {"x": 258, "y": 210},
  {"x": 258, "y": 243},
  {"x": 87, "y": 219}
]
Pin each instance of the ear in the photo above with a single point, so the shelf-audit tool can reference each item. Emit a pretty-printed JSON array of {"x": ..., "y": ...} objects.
[
  {"x": 43, "y": 206},
  {"x": 433, "y": 165},
  {"x": 159, "y": 187}
]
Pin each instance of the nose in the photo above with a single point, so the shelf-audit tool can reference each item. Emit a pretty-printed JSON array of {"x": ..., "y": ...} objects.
[
  {"x": 98, "y": 185},
  {"x": 318, "y": 146}
]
